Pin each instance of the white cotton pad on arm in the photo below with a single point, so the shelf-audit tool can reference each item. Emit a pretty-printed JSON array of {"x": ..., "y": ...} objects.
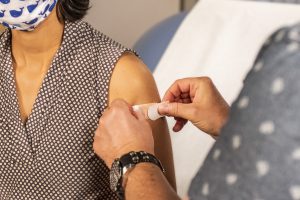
[{"x": 153, "y": 113}]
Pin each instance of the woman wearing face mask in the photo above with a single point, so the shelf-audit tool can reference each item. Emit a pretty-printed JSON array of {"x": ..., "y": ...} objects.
[{"x": 57, "y": 76}]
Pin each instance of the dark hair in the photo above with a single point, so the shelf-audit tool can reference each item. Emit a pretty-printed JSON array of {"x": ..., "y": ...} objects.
[{"x": 72, "y": 10}]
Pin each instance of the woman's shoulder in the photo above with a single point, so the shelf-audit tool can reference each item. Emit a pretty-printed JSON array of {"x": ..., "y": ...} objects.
[{"x": 98, "y": 38}]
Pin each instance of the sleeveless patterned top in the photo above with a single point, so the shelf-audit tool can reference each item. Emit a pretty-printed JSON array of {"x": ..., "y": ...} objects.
[{"x": 51, "y": 156}]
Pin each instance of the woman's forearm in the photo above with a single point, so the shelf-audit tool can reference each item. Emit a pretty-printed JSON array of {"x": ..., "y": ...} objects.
[{"x": 146, "y": 181}]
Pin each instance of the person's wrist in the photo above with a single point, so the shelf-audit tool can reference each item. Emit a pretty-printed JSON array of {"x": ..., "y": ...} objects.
[
  {"x": 145, "y": 166},
  {"x": 144, "y": 169},
  {"x": 141, "y": 168},
  {"x": 221, "y": 121}
]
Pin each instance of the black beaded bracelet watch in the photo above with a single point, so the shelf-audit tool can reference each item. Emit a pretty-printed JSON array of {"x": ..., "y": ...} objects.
[{"x": 122, "y": 165}]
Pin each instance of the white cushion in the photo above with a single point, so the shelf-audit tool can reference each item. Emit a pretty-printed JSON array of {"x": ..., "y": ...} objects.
[{"x": 219, "y": 39}]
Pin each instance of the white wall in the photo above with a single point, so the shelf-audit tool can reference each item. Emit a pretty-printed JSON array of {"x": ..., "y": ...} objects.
[
  {"x": 126, "y": 21},
  {"x": 189, "y": 4}
]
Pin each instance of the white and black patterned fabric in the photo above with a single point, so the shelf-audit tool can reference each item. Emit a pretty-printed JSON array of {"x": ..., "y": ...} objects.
[
  {"x": 257, "y": 156},
  {"x": 51, "y": 156}
]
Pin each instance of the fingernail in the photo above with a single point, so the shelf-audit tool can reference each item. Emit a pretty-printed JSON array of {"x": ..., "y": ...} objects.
[{"x": 163, "y": 108}]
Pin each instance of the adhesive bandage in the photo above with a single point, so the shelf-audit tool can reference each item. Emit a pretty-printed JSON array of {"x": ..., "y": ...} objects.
[{"x": 150, "y": 111}]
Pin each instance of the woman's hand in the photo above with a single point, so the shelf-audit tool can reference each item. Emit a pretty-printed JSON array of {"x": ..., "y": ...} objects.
[
  {"x": 196, "y": 100},
  {"x": 120, "y": 131}
]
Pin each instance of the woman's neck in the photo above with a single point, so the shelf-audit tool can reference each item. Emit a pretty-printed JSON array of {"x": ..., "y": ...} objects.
[{"x": 35, "y": 48}]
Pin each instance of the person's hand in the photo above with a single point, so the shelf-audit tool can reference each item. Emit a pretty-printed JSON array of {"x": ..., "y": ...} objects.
[
  {"x": 196, "y": 100},
  {"x": 120, "y": 131}
]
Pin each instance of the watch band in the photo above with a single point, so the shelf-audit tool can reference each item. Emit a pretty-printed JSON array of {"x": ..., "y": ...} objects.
[{"x": 131, "y": 159}]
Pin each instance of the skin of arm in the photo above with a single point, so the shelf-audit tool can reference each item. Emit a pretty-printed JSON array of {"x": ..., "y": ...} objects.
[
  {"x": 156, "y": 187},
  {"x": 132, "y": 81}
]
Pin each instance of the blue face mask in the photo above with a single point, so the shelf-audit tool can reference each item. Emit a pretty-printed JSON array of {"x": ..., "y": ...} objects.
[{"x": 25, "y": 15}]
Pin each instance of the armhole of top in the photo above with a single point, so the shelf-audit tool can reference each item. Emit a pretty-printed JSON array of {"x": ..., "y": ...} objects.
[
  {"x": 122, "y": 53},
  {"x": 2, "y": 34}
]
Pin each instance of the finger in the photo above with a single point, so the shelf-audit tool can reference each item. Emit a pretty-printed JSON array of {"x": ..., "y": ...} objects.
[
  {"x": 139, "y": 115},
  {"x": 180, "y": 119},
  {"x": 179, "y": 87},
  {"x": 186, "y": 101},
  {"x": 180, "y": 123},
  {"x": 185, "y": 95},
  {"x": 121, "y": 108},
  {"x": 178, "y": 126},
  {"x": 98, "y": 131},
  {"x": 104, "y": 113},
  {"x": 185, "y": 111},
  {"x": 182, "y": 100},
  {"x": 120, "y": 103}
]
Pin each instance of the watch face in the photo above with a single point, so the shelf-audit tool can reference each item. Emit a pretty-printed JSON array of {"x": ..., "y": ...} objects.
[{"x": 115, "y": 175}]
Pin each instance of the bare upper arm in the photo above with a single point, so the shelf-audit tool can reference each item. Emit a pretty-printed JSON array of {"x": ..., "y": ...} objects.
[{"x": 133, "y": 82}]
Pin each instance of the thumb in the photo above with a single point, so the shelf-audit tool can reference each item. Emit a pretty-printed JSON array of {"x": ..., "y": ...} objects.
[
  {"x": 139, "y": 114},
  {"x": 181, "y": 110}
]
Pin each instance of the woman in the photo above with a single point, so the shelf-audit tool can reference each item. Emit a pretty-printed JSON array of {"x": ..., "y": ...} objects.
[{"x": 57, "y": 76}]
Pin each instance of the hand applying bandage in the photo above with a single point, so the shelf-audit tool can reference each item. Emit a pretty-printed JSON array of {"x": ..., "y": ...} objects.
[
  {"x": 196, "y": 100},
  {"x": 122, "y": 130}
]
